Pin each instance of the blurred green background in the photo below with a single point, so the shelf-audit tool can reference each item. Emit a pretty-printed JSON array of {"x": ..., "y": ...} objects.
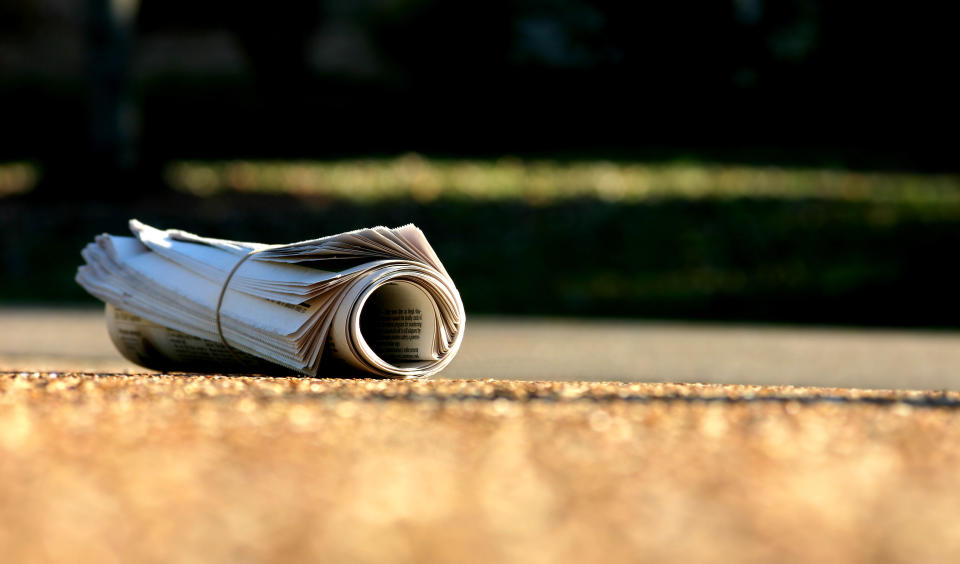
[{"x": 744, "y": 160}]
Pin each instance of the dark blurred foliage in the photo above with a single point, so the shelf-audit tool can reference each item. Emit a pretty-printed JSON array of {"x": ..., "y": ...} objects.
[
  {"x": 103, "y": 107},
  {"x": 794, "y": 260},
  {"x": 857, "y": 84}
]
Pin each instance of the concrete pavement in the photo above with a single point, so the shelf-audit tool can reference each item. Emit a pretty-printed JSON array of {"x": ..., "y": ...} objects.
[
  {"x": 147, "y": 467},
  {"x": 559, "y": 349},
  {"x": 189, "y": 468}
]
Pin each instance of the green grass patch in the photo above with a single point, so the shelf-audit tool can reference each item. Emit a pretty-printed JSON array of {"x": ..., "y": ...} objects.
[
  {"x": 567, "y": 238},
  {"x": 544, "y": 182}
]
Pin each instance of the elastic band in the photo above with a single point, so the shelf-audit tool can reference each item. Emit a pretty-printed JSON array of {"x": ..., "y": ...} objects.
[{"x": 223, "y": 292}]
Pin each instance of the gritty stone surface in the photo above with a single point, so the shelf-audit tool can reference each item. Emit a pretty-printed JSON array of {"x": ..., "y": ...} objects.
[{"x": 190, "y": 468}]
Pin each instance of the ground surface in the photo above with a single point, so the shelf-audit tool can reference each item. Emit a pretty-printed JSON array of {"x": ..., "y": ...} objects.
[
  {"x": 145, "y": 467},
  {"x": 556, "y": 349}
]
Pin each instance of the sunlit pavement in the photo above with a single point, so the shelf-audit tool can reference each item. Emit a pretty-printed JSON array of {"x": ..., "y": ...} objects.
[{"x": 102, "y": 466}]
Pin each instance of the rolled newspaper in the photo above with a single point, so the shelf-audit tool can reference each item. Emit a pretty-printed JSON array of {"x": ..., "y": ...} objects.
[{"x": 375, "y": 300}]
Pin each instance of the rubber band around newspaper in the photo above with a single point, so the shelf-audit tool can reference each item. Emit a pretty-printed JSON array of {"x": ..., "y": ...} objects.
[{"x": 223, "y": 292}]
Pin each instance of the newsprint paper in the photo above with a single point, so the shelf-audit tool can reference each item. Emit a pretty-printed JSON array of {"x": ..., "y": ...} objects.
[{"x": 373, "y": 300}]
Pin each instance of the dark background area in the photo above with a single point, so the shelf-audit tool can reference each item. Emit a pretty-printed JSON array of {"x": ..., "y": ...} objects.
[
  {"x": 856, "y": 84},
  {"x": 101, "y": 107}
]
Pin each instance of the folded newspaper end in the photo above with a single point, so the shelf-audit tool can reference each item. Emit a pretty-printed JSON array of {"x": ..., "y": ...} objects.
[
  {"x": 373, "y": 300},
  {"x": 396, "y": 323}
]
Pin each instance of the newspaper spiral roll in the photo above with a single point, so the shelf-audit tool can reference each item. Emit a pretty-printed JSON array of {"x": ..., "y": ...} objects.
[{"x": 373, "y": 300}]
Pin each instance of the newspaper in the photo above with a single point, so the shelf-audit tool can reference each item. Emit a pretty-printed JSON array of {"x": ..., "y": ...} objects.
[{"x": 373, "y": 300}]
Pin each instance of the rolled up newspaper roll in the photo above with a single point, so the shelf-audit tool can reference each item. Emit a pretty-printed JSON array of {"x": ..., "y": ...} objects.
[{"x": 375, "y": 300}]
